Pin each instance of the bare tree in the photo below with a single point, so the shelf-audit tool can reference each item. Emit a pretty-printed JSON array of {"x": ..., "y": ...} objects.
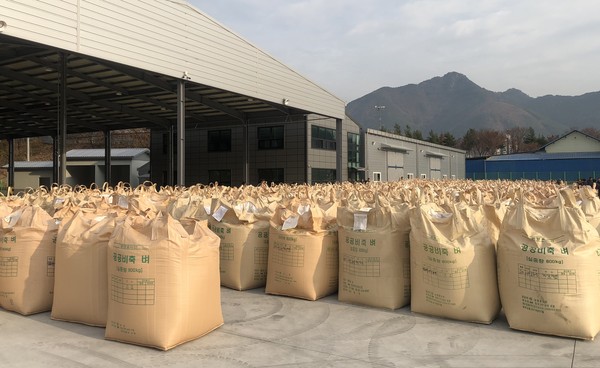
[
  {"x": 592, "y": 132},
  {"x": 487, "y": 142}
]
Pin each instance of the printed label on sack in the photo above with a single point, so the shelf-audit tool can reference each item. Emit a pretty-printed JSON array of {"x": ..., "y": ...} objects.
[
  {"x": 438, "y": 299},
  {"x": 539, "y": 305},
  {"x": 353, "y": 287},
  {"x": 548, "y": 280},
  {"x": 220, "y": 213}
]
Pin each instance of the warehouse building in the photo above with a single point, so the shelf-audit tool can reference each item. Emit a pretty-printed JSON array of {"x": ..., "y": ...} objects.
[
  {"x": 292, "y": 149},
  {"x": 79, "y": 66},
  {"x": 304, "y": 150},
  {"x": 573, "y": 156},
  {"x": 391, "y": 157}
]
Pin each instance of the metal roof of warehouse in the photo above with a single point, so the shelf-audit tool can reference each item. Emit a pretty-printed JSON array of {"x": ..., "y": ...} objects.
[
  {"x": 545, "y": 156},
  {"x": 125, "y": 60}
]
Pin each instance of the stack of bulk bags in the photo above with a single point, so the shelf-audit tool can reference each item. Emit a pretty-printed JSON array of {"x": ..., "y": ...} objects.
[
  {"x": 374, "y": 252},
  {"x": 453, "y": 264},
  {"x": 303, "y": 250},
  {"x": 163, "y": 282},
  {"x": 590, "y": 205},
  {"x": 13, "y": 201},
  {"x": 5, "y": 209},
  {"x": 195, "y": 203},
  {"x": 27, "y": 251},
  {"x": 81, "y": 289},
  {"x": 494, "y": 212},
  {"x": 548, "y": 267},
  {"x": 179, "y": 205},
  {"x": 144, "y": 198},
  {"x": 244, "y": 232}
]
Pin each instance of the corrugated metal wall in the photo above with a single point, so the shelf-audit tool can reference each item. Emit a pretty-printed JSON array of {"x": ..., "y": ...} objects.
[{"x": 569, "y": 170}]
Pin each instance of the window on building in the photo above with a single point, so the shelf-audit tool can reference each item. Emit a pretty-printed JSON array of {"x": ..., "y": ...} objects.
[
  {"x": 376, "y": 176},
  {"x": 353, "y": 150},
  {"x": 270, "y": 137},
  {"x": 271, "y": 175},
  {"x": 423, "y": 176},
  {"x": 323, "y": 175},
  {"x": 410, "y": 176},
  {"x": 223, "y": 177},
  {"x": 354, "y": 158},
  {"x": 165, "y": 143},
  {"x": 323, "y": 138},
  {"x": 219, "y": 140}
]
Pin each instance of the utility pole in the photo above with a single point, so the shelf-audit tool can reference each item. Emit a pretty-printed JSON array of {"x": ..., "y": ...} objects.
[{"x": 379, "y": 108}]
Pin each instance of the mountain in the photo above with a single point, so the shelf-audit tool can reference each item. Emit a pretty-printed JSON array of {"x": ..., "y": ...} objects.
[{"x": 454, "y": 104}]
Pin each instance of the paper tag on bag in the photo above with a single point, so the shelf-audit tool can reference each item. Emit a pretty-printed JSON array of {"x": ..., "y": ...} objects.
[
  {"x": 360, "y": 221},
  {"x": 220, "y": 213},
  {"x": 250, "y": 207},
  {"x": 302, "y": 209},
  {"x": 12, "y": 219},
  {"x": 439, "y": 215},
  {"x": 123, "y": 202},
  {"x": 290, "y": 223}
]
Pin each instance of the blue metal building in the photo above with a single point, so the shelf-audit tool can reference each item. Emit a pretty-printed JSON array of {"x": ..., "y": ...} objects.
[{"x": 571, "y": 157}]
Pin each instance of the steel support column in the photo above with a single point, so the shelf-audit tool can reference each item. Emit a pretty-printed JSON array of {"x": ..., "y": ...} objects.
[
  {"x": 181, "y": 133},
  {"x": 55, "y": 159},
  {"x": 246, "y": 155},
  {"x": 107, "y": 157},
  {"x": 170, "y": 168},
  {"x": 11, "y": 163},
  {"x": 62, "y": 120},
  {"x": 339, "y": 152}
]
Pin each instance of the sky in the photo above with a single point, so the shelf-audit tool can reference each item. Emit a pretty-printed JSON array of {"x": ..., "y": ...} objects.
[{"x": 353, "y": 47}]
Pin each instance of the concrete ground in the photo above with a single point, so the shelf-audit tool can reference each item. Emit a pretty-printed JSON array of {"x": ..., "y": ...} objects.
[{"x": 272, "y": 331}]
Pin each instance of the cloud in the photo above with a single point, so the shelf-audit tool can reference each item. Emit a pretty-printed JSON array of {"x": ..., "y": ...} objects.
[{"x": 353, "y": 47}]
